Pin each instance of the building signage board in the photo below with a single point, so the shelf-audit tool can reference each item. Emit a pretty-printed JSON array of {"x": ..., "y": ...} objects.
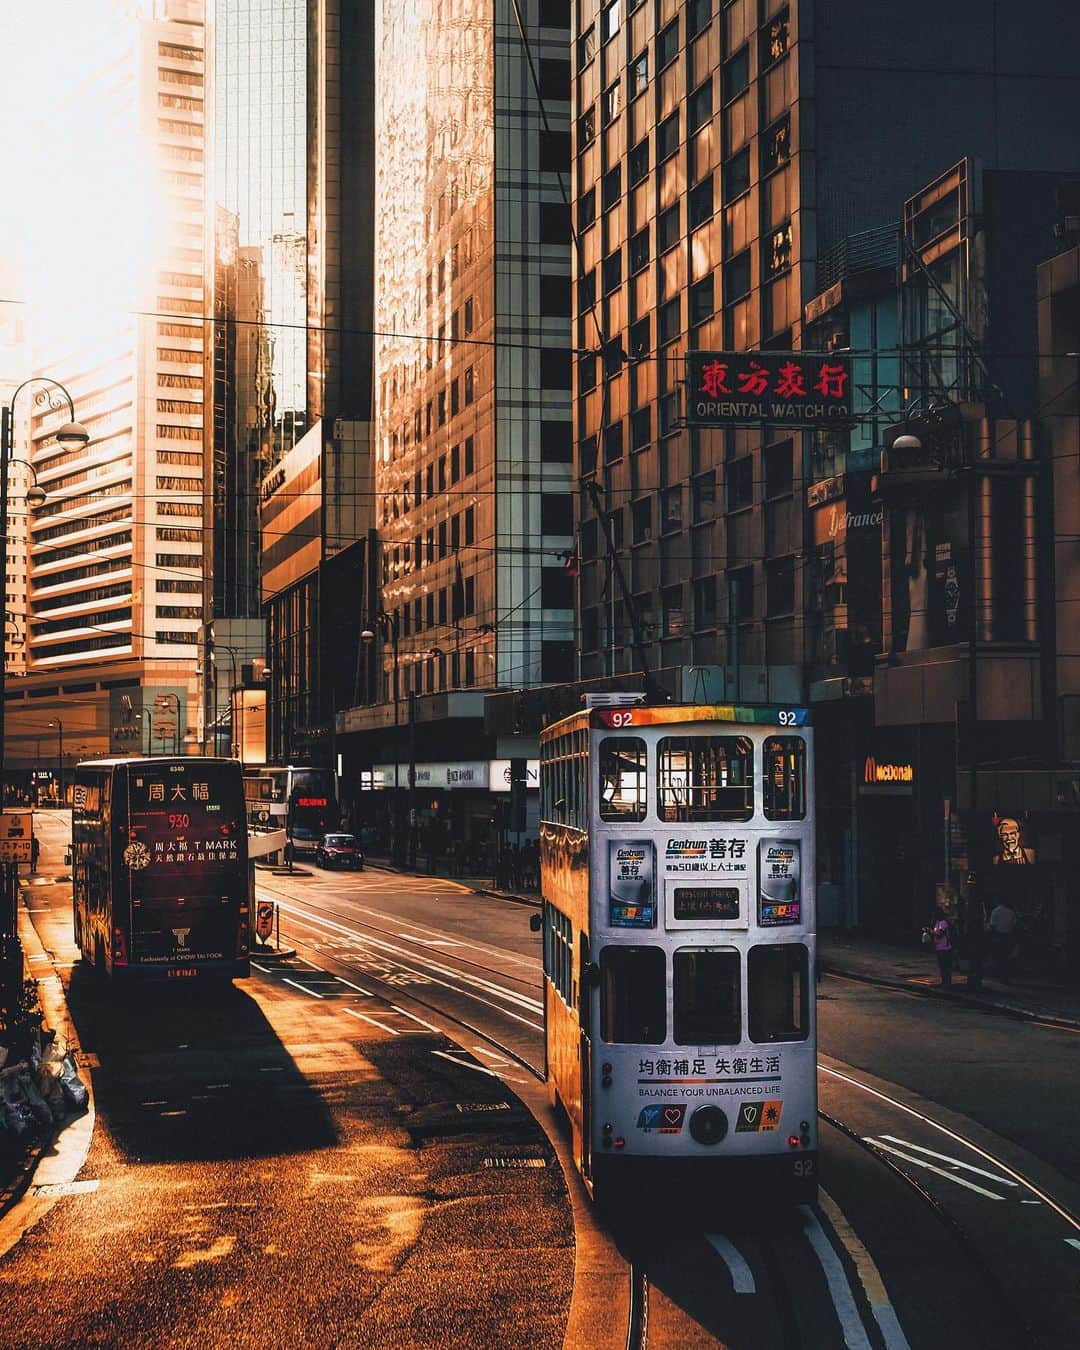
[
  {"x": 460, "y": 774},
  {"x": 16, "y": 830},
  {"x": 891, "y": 778},
  {"x": 785, "y": 388},
  {"x": 499, "y": 775}
]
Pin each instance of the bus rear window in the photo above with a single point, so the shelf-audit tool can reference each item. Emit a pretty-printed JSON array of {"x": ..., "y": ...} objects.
[
  {"x": 779, "y": 992},
  {"x": 784, "y": 778},
  {"x": 705, "y": 778},
  {"x": 633, "y": 996},
  {"x": 622, "y": 778},
  {"x": 706, "y": 990}
]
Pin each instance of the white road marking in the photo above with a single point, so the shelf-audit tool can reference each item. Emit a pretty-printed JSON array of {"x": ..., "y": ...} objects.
[
  {"x": 855, "y": 1337},
  {"x": 57, "y": 1189},
  {"x": 869, "y": 1276},
  {"x": 955, "y": 1162},
  {"x": 742, "y": 1277},
  {"x": 938, "y": 1171},
  {"x": 414, "y": 1017},
  {"x": 1074, "y": 1242},
  {"x": 265, "y": 969},
  {"x": 478, "y": 1068},
  {"x": 363, "y": 1017},
  {"x": 366, "y": 993},
  {"x": 286, "y": 980}
]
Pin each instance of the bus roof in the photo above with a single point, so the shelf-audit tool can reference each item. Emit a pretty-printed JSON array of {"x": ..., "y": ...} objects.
[
  {"x": 666, "y": 714},
  {"x": 116, "y": 760}
]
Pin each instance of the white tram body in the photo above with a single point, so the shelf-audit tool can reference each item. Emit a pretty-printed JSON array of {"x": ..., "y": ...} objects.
[{"x": 677, "y": 866}]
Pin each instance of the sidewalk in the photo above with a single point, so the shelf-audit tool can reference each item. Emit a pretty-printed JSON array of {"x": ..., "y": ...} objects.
[{"x": 1032, "y": 994}]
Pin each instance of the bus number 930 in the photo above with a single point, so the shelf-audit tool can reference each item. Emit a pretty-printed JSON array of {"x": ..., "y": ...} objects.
[{"x": 179, "y": 821}]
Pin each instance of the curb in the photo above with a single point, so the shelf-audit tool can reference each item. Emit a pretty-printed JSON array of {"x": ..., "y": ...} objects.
[{"x": 956, "y": 994}]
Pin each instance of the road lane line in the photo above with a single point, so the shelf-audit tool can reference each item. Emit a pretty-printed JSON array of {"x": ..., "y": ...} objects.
[
  {"x": 869, "y": 1276},
  {"x": 944, "y": 1157},
  {"x": 414, "y": 1017},
  {"x": 286, "y": 980},
  {"x": 938, "y": 1171},
  {"x": 366, "y": 993},
  {"x": 477, "y": 1068},
  {"x": 363, "y": 1017},
  {"x": 1074, "y": 1242},
  {"x": 855, "y": 1337},
  {"x": 742, "y": 1277}
]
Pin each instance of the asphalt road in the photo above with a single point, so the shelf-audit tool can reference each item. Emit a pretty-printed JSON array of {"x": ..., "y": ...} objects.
[{"x": 338, "y": 1153}]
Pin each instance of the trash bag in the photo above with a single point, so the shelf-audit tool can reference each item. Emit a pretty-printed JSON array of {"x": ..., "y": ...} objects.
[{"x": 73, "y": 1087}]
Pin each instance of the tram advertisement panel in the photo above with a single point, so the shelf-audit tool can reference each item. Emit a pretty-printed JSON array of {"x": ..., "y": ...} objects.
[
  {"x": 631, "y": 883},
  {"x": 779, "y": 871},
  {"x": 186, "y": 859}
]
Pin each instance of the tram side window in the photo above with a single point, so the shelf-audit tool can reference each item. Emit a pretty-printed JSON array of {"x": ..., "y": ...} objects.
[
  {"x": 622, "y": 778},
  {"x": 559, "y": 952},
  {"x": 779, "y": 992},
  {"x": 704, "y": 778},
  {"x": 706, "y": 997},
  {"x": 784, "y": 778},
  {"x": 633, "y": 996}
]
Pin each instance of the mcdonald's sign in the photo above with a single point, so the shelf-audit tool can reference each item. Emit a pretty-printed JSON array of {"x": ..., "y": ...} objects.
[{"x": 887, "y": 777}]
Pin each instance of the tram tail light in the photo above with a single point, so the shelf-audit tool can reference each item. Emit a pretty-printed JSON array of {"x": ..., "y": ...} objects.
[
  {"x": 793, "y": 1141},
  {"x": 620, "y": 1142}
]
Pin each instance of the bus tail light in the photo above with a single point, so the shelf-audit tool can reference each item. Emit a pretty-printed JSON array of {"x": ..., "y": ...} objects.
[
  {"x": 242, "y": 937},
  {"x": 120, "y": 954}
]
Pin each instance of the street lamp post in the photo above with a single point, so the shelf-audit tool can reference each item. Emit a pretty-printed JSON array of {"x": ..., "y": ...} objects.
[
  {"x": 70, "y": 434},
  {"x": 163, "y": 698},
  {"x": 149, "y": 730},
  {"x": 387, "y": 626},
  {"x": 56, "y": 722}
]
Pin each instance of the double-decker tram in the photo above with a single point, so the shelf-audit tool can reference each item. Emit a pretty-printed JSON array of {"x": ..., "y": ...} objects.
[
  {"x": 162, "y": 881},
  {"x": 301, "y": 800},
  {"x": 677, "y": 866}
]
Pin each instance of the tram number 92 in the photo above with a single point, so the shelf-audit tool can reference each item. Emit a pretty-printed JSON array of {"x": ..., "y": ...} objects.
[
  {"x": 803, "y": 1167},
  {"x": 787, "y": 719},
  {"x": 621, "y": 719}
]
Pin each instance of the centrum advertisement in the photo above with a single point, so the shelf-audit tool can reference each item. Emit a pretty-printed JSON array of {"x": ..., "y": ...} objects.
[
  {"x": 186, "y": 856},
  {"x": 779, "y": 898},
  {"x": 631, "y": 884}
]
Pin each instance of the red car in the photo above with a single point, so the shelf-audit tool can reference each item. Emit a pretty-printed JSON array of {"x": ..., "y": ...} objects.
[{"x": 340, "y": 850}]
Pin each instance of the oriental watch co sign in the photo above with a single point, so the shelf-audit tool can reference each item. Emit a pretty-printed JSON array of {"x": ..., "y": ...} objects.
[{"x": 788, "y": 388}]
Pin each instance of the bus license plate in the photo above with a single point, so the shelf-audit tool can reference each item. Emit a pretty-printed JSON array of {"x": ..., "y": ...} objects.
[{"x": 185, "y": 973}]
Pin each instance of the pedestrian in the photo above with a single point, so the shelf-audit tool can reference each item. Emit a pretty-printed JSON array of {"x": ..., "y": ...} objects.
[
  {"x": 35, "y": 850},
  {"x": 941, "y": 937},
  {"x": 1003, "y": 939}
]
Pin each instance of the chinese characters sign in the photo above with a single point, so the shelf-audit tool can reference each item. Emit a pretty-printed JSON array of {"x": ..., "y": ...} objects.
[
  {"x": 779, "y": 900},
  {"x": 632, "y": 890},
  {"x": 796, "y": 388}
]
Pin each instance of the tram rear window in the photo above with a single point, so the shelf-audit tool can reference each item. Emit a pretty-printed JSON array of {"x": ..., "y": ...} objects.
[
  {"x": 622, "y": 778},
  {"x": 701, "y": 778},
  {"x": 779, "y": 992},
  {"x": 784, "y": 778},
  {"x": 706, "y": 997},
  {"x": 633, "y": 997}
]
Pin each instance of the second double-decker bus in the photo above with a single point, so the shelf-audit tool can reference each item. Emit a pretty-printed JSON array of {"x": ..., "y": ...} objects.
[
  {"x": 677, "y": 865},
  {"x": 162, "y": 881}
]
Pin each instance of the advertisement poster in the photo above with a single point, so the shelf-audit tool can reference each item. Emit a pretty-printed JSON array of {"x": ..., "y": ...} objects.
[
  {"x": 779, "y": 898},
  {"x": 631, "y": 884}
]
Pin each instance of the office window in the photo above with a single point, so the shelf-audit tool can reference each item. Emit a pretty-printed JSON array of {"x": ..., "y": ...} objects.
[
  {"x": 735, "y": 179},
  {"x": 556, "y": 442},
  {"x": 775, "y": 145},
  {"x": 775, "y": 36},
  {"x": 667, "y": 45},
  {"x": 705, "y": 602},
  {"x": 554, "y": 79},
  {"x": 586, "y": 368},
  {"x": 640, "y": 428},
  {"x": 703, "y": 496},
  {"x": 700, "y": 203},
  {"x": 587, "y": 291},
  {"x": 639, "y": 74},
  {"x": 740, "y": 483},
  {"x": 641, "y": 519},
  {"x": 470, "y": 524},
  {"x": 741, "y": 593},
  {"x": 780, "y": 585},
  {"x": 468, "y": 455},
  {"x": 554, "y": 224},
  {"x": 586, "y": 128},
  {"x": 667, "y": 138},
  {"x": 612, "y": 271},
  {"x": 611, "y": 187},
  {"x": 698, "y": 15},
  {"x": 639, "y": 250},
  {"x": 736, "y": 74},
  {"x": 639, "y": 161},
  {"x": 671, "y": 516},
  {"x": 701, "y": 300},
  {"x": 554, "y": 296},
  {"x": 556, "y": 513},
  {"x": 779, "y": 469},
  {"x": 669, "y": 321},
  {"x": 778, "y": 250},
  {"x": 442, "y": 473},
  {"x": 610, "y": 104},
  {"x": 556, "y": 588},
  {"x": 554, "y": 368},
  {"x": 455, "y": 398},
  {"x": 699, "y": 107},
  {"x": 610, "y": 18},
  {"x": 555, "y": 152},
  {"x": 737, "y": 277},
  {"x": 613, "y": 443},
  {"x": 455, "y": 463},
  {"x": 554, "y": 13},
  {"x": 639, "y": 339},
  {"x": 668, "y": 232},
  {"x": 586, "y": 210},
  {"x": 669, "y": 412},
  {"x": 586, "y": 48}
]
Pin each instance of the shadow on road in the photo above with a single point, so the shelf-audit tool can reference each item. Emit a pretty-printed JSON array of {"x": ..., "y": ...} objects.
[{"x": 193, "y": 1073}]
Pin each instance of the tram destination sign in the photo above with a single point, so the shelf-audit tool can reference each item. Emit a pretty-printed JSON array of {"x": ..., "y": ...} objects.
[{"x": 726, "y": 389}]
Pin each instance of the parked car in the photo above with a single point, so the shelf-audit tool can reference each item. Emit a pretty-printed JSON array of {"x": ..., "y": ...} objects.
[{"x": 340, "y": 850}]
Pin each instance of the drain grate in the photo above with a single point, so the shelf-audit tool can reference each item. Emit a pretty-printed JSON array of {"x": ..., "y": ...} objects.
[
  {"x": 472, "y": 1108},
  {"x": 514, "y": 1162}
]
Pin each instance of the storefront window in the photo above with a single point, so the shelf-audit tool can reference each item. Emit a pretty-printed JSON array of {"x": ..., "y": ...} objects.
[
  {"x": 632, "y": 996},
  {"x": 779, "y": 993},
  {"x": 784, "y": 778},
  {"x": 622, "y": 778},
  {"x": 706, "y": 997},
  {"x": 705, "y": 778}
]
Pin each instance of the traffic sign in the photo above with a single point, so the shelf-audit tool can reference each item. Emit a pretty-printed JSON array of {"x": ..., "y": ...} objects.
[
  {"x": 16, "y": 831},
  {"x": 264, "y": 919}
]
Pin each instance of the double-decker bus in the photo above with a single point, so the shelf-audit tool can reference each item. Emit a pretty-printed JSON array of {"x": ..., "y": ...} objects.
[
  {"x": 162, "y": 881},
  {"x": 677, "y": 866},
  {"x": 301, "y": 800}
]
